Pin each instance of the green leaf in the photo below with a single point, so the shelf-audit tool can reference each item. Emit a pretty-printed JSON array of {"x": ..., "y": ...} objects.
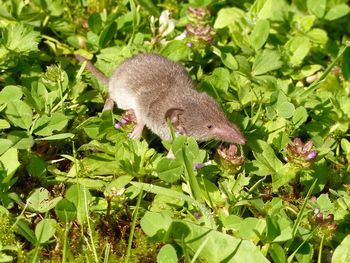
[
  {"x": 317, "y": 7},
  {"x": 4, "y": 124},
  {"x": 10, "y": 93},
  {"x": 299, "y": 48},
  {"x": 337, "y": 12},
  {"x": 149, "y": 6},
  {"x": 108, "y": 33},
  {"x": 228, "y": 16},
  {"x": 37, "y": 167},
  {"x": 251, "y": 228},
  {"x": 318, "y": 36},
  {"x": 227, "y": 58},
  {"x": 283, "y": 176},
  {"x": 345, "y": 145},
  {"x": 214, "y": 246},
  {"x": 219, "y": 79},
  {"x": 65, "y": 210},
  {"x": 19, "y": 114},
  {"x": 95, "y": 22},
  {"x": 277, "y": 253},
  {"x": 5, "y": 144},
  {"x": 342, "y": 252},
  {"x": 20, "y": 38},
  {"x": 167, "y": 254},
  {"x": 187, "y": 144},
  {"x": 169, "y": 170},
  {"x": 153, "y": 222},
  {"x": 285, "y": 109},
  {"x": 45, "y": 229},
  {"x": 10, "y": 162},
  {"x": 265, "y": 155},
  {"x": 324, "y": 203},
  {"x": 176, "y": 50},
  {"x": 45, "y": 125},
  {"x": 117, "y": 184},
  {"x": 306, "y": 71},
  {"x": 346, "y": 63},
  {"x": 300, "y": 116},
  {"x": 80, "y": 196},
  {"x": 266, "y": 60},
  {"x": 275, "y": 10},
  {"x": 23, "y": 229},
  {"x": 40, "y": 202},
  {"x": 260, "y": 33},
  {"x": 55, "y": 137},
  {"x": 21, "y": 140}
]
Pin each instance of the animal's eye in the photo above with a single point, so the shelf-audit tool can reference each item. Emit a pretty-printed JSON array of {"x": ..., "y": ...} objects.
[{"x": 209, "y": 126}]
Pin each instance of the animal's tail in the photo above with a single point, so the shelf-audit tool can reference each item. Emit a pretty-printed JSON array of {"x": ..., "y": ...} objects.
[
  {"x": 102, "y": 77},
  {"x": 109, "y": 103}
]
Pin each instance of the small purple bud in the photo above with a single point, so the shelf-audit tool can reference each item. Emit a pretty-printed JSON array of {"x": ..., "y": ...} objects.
[
  {"x": 124, "y": 121},
  {"x": 189, "y": 44},
  {"x": 329, "y": 257},
  {"x": 129, "y": 134},
  {"x": 117, "y": 125},
  {"x": 185, "y": 33},
  {"x": 316, "y": 211},
  {"x": 197, "y": 215},
  {"x": 198, "y": 166},
  {"x": 311, "y": 155}
]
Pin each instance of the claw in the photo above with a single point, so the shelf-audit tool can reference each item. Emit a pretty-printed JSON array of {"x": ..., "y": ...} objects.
[{"x": 137, "y": 132}]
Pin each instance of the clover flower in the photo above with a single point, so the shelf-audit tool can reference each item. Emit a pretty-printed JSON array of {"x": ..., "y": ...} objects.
[
  {"x": 300, "y": 153},
  {"x": 166, "y": 24},
  {"x": 228, "y": 158}
]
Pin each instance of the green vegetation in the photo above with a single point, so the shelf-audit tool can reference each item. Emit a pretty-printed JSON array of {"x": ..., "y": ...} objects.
[{"x": 75, "y": 188}]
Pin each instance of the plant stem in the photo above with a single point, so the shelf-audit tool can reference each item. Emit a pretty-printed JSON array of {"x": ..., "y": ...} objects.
[{"x": 132, "y": 230}]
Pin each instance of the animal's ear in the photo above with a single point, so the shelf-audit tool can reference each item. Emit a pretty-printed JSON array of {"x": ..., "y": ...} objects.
[{"x": 174, "y": 115}]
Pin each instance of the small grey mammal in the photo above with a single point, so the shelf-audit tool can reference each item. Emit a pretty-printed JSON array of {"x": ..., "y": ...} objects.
[{"x": 158, "y": 89}]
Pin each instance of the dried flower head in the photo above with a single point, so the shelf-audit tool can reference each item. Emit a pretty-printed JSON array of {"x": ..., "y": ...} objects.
[
  {"x": 300, "y": 153},
  {"x": 337, "y": 71},
  {"x": 128, "y": 117},
  {"x": 229, "y": 159},
  {"x": 198, "y": 13},
  {"x": 201, "y": 32}
]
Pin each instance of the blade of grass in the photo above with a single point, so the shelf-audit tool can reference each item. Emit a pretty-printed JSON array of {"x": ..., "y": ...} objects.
[
  {"x": 300, "y": 214},
  {"x": 132, "y": 229},
  {"x": 314, "y": 85},
  {"x": 319, "y": 259},
  {"x": 134, "y": 21},
  {"x": 290, "y": 258},
  {"x": 196, "y": 190},
  {"x": 85, "y": 204},
  {"x": 199, "y": 250},
  {"x": 107, "y": 253}
]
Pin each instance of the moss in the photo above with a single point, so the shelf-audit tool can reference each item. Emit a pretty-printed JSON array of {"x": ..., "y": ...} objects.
[{"x": 7, "y": 237}]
